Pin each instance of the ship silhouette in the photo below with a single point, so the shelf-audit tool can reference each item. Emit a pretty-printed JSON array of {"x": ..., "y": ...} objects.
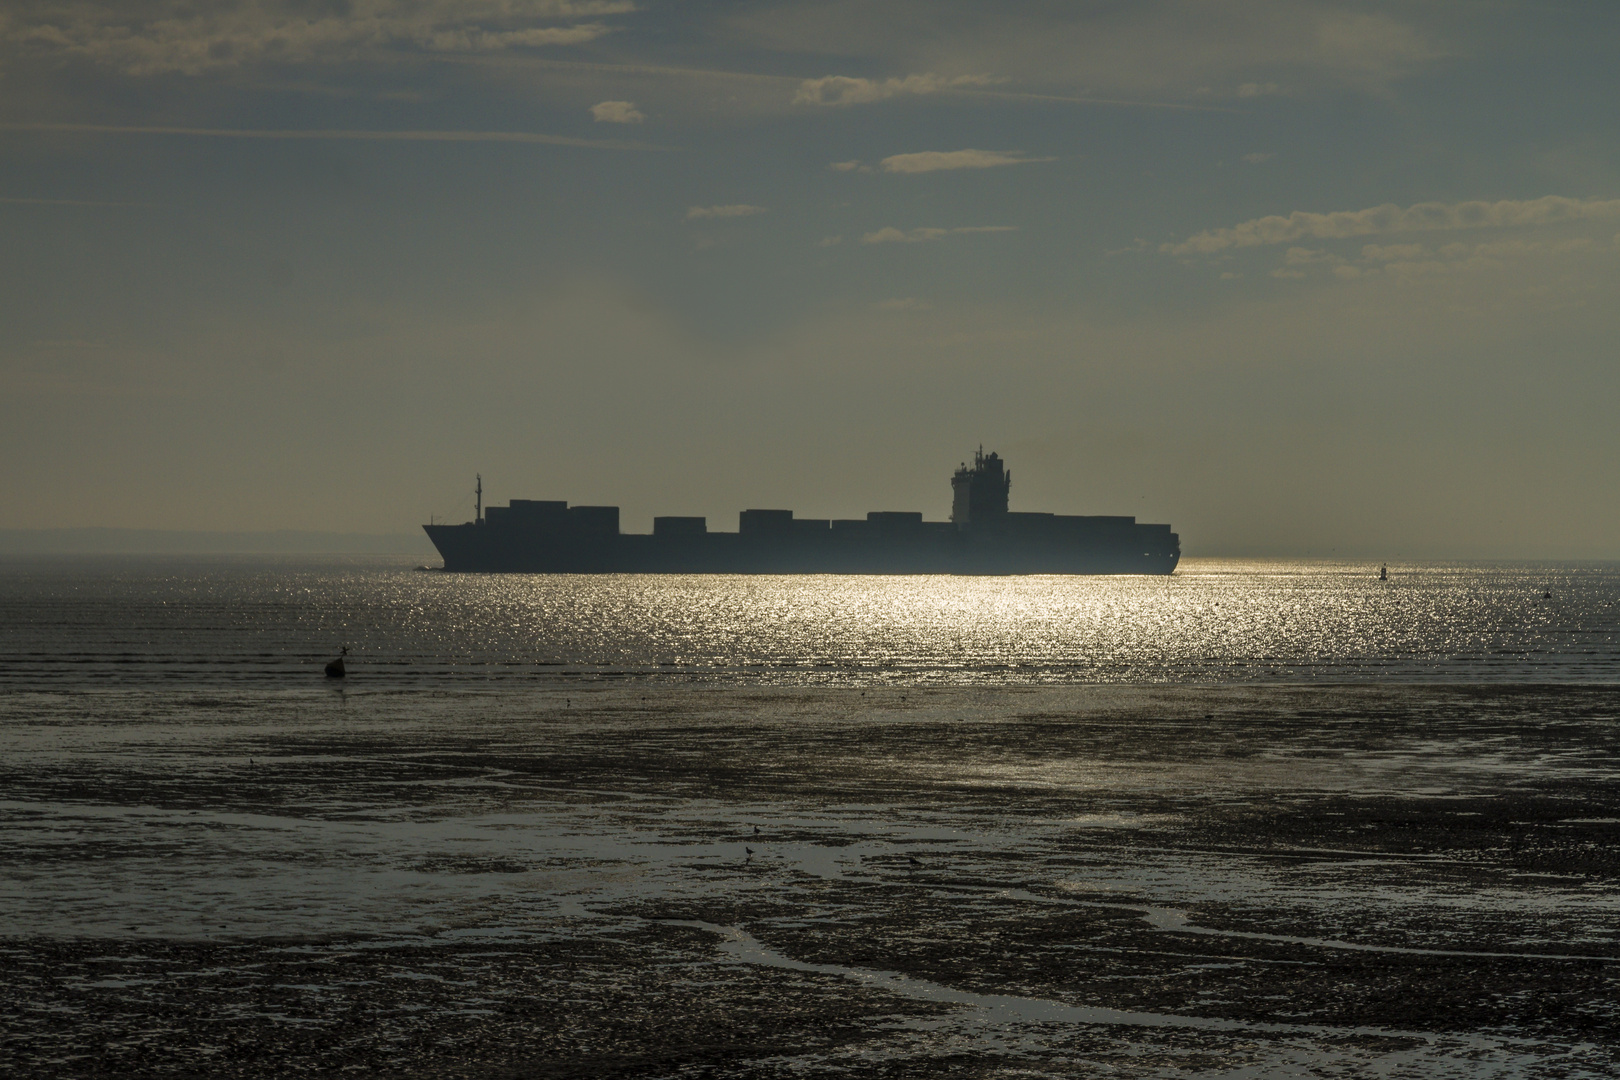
[{"x": 982, "y": 537}]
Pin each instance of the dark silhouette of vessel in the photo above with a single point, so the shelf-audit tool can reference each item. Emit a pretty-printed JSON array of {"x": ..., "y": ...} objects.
[{"x": 982, "y": 537}]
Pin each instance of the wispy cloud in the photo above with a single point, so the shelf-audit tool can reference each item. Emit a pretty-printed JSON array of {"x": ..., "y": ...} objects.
[
  {"x": 1389, "y": 218},
  {"x": 1300, "y": 256},
  {"x": 1092, "y": 99},
  {"x": 734, "y": 210},
  {"x": 1392, "y": 252},
  {"x": 1257, "y": 158},
  {"x": 336, "y": 133},
  {"x": 1412, "y": 262},
  {"x": 159, "y": 36},
  {"x": 6, "y": 201},
  {"x": 902, "y": 303},
  {"x": 843, "y": 90},
  {"x": 936, "y": 160},
  {"x": 1107, "y": 53},
  {"x": 891, "y": 235},
  {"x": 617, "y": 112},
  {"x": 477, "y": 40},
  {"x": 621, "y": 70}
]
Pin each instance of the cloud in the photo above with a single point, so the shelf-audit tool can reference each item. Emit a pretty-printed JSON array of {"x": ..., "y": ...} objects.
[
  {"x": 1411, "y": 261},
  {"x": 891, "y": 235},
  {"x": 1256, "y": 159},
  {"x": 829, "y": 241},
  {"x": 476, "y": 40},
  {"x": 1392, "y": 252},
  {"x": 734, "y": 210},
  {"x": 843, "y": 90},
  {"x": 617, "y": 112},
  {"x": 936, "y": 161},
  {"x": 1370, "y": 48},
  {"x": 1298, "y": 256},
  {"x": 162, "y": 36},
  {"x": 1389, "y": 218},
  {"x": 846, "y": 166},
  {"x": 1167, "y": 48},
  {"x": 902, "y": 303}
]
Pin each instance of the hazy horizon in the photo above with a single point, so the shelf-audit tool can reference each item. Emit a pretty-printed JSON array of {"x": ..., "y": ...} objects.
[
  {"x": 119, "y": 542},
  {"x": 1293, "y": 276}
]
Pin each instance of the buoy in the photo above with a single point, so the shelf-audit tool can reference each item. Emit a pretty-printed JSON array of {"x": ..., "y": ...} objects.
[{"x": 334, "y": 670}]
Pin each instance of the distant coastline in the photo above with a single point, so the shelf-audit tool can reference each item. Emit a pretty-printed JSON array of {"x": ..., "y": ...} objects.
[{"x": 102, "y": 541}]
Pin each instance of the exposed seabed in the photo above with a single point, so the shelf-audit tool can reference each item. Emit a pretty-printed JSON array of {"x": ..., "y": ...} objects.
[{"x": 1216, "y": 882}]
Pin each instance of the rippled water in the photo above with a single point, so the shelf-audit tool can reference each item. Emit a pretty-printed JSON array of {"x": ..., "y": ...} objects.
[
  {"x": 764, "y": 808},
  {"x": 87, "y": 622}
]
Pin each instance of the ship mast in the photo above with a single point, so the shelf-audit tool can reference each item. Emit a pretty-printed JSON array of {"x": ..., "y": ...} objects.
[{"x": 478, "y": 500}]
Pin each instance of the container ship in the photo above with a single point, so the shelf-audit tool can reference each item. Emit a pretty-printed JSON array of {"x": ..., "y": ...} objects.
[{"x": 982, "y": 537}]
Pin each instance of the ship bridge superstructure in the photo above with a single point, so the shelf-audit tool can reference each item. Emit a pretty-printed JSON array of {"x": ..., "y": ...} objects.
[{"x": 979, "y": 494}]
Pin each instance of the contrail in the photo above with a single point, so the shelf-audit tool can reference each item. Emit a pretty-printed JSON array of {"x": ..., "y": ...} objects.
[{"x": 342, "y": 134}]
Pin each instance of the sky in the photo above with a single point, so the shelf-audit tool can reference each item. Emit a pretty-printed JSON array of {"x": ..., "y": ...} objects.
[{"x": 1298, "y": 277}]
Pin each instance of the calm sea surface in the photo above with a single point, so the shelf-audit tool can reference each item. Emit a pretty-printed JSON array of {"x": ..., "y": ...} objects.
[{"x": 85, "y": 622}]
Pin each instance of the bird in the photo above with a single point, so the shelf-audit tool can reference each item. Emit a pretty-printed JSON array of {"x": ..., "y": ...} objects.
[
  {"x": 749, "y": 850},
  {"x": 334, "y": 669},
  {"x": 756, "y": 830},
  {"x": 912, "y": 859}
]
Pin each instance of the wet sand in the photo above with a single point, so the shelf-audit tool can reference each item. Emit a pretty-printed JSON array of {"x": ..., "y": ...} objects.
[{"x": 1238, "y": 881}]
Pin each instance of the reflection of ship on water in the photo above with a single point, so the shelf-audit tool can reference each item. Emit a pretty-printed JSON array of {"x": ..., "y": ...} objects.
[{"x": 982, "y": 537}]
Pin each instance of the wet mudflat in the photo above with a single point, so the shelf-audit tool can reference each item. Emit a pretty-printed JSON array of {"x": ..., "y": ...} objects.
[{"x": 682, "y": 881}]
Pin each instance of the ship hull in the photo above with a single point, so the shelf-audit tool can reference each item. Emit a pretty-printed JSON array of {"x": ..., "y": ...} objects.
[{"x": 479, "y": 548}]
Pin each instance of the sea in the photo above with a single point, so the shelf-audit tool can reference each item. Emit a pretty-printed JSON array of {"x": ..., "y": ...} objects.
[
  {"x": 1257, "y": 818},
  {"x": 80, "y": 623}
]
